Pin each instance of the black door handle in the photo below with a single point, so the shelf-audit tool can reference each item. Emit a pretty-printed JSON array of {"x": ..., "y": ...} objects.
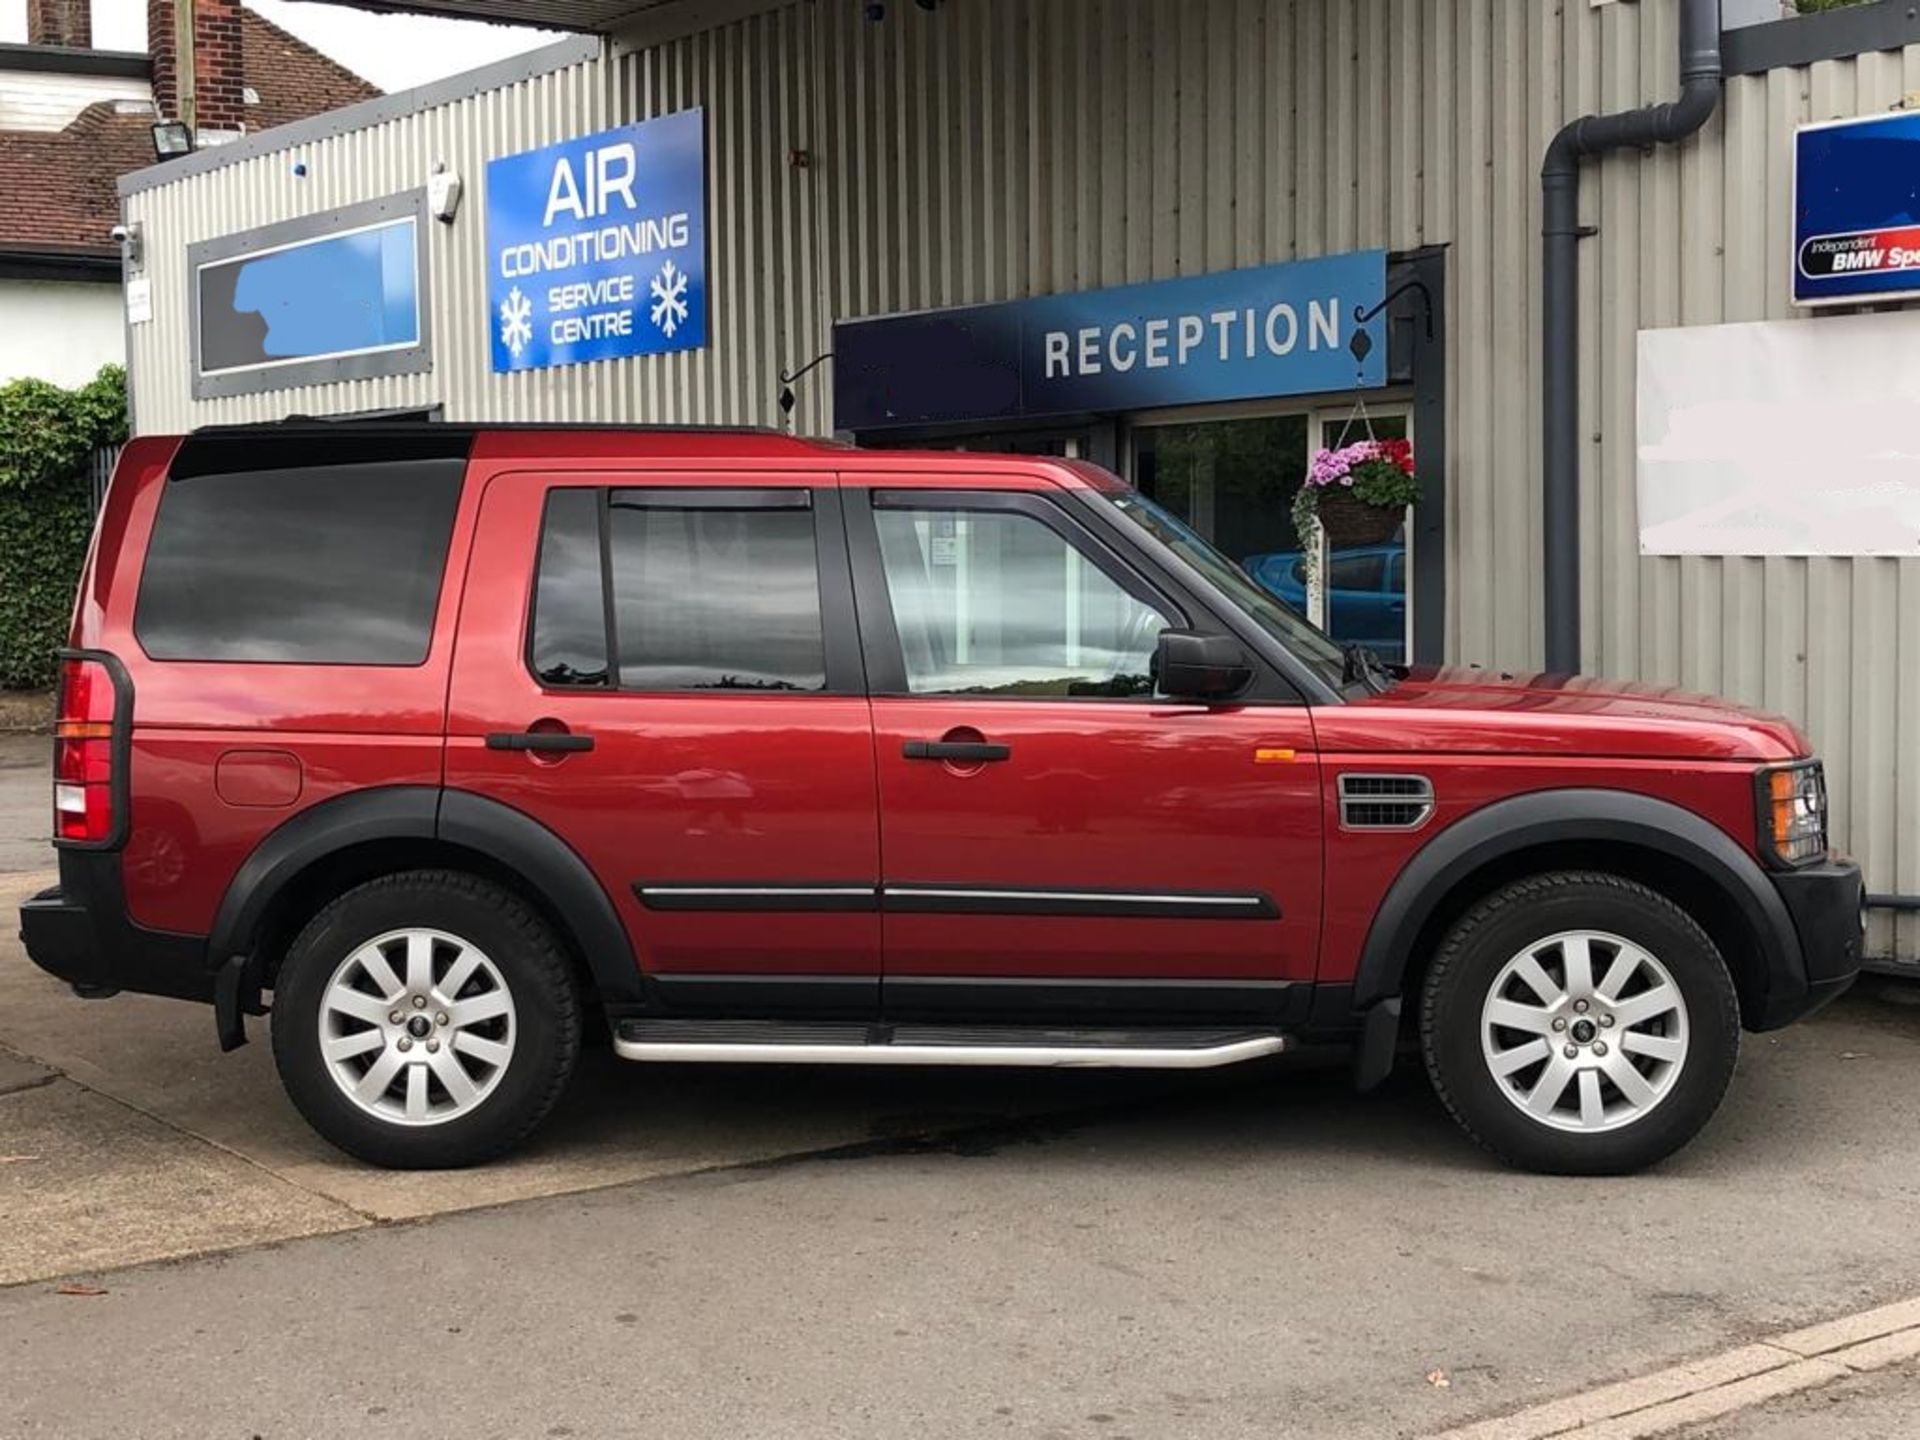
[
  {"x": 964, "y": 752},
  {"x": 553, "y": 741}
]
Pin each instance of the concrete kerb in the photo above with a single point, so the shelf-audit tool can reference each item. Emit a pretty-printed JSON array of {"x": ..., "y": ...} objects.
[{"x": 1721, "y": 1384}]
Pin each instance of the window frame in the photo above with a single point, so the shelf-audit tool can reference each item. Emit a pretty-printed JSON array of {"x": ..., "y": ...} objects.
[
  {"x": 840, "y": 645},
  {"x": 886, "y": 657},
  {"x": 411, "y": 358}
]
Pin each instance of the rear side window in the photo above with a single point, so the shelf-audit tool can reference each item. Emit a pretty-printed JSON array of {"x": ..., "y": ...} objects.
[
  {"x": 327, "y": 565},
  {"x": 569, "y": 645},
  {"x": 708, "y": 590}
]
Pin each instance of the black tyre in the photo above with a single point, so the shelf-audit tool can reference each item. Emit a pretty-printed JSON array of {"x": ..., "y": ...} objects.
[
  {"x": 1579, "y": 1024},
  {"x": 425, "y": 1020}
]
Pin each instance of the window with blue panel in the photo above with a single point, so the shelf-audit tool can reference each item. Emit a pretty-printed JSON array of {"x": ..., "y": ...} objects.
[{"x": 346, "y": 294}]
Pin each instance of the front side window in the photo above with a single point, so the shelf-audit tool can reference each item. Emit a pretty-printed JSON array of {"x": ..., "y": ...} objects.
[
  {"x": 999, "y": 603},
  {"x": 1292, "y": 629},
  {"x": 323, "y": 565}
]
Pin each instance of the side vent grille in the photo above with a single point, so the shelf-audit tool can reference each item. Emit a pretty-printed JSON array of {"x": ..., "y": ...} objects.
[{"x": 1385, "y": 802}]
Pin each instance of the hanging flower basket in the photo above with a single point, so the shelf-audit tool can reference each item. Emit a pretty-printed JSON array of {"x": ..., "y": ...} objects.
[
  {"x": 1350, "y": 521},
  {"x": 1357, "y": 494}
]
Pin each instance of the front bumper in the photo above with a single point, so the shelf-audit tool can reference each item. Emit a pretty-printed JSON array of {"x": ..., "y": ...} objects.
[
  {"x": 79, "y": 932},
  {"x": 1824, "y": 902}
]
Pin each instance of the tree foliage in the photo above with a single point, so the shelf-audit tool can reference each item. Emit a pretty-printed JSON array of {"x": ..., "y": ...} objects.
[{"x": 46, "y": 436}]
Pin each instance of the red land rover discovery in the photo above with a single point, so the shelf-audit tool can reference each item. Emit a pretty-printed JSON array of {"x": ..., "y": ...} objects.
[{"x": 457, "y": 741}]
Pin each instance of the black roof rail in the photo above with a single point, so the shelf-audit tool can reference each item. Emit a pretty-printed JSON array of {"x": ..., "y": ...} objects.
[
  {"x": 280, "y": 445},
  {"x": 302, "y": 441}
]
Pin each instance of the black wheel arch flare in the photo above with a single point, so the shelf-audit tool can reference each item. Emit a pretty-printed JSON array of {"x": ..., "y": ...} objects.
[
  {"x": 544, "y": 862},
  {"x": 1552, "y": 819}
]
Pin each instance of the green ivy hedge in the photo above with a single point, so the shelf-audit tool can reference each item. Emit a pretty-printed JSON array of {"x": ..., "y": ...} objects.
[{"x": 46, "y": 435}]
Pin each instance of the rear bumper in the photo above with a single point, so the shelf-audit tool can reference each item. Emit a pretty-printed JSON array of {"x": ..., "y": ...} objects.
[
  {"x": 1824, "y": 903},
  {"x": 79, "y": 932}
]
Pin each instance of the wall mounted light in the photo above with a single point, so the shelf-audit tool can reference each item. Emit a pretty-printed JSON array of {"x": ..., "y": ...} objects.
[{"x": 172, "y": 139}]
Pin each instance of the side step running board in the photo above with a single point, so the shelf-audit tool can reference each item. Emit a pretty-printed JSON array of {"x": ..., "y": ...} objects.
[{"x": 754, "y": 1042}]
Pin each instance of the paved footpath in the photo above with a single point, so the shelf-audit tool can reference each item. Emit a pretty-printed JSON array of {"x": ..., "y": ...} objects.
[
  {"x": 26, "y": 803},
  {"x": 1884, "y": 1405}
]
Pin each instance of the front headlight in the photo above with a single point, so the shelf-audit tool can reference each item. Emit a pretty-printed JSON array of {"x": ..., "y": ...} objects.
[{"x": 1793, "y": 813}]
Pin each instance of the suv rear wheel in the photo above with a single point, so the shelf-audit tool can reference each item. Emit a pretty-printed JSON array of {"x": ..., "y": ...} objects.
[
  {"x": 425, "y": 1019},
  {"x": 1580, "y": 1024}
]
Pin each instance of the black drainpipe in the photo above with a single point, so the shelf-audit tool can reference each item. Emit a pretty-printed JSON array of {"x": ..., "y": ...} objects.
[{"x": 1560, "y": 311}]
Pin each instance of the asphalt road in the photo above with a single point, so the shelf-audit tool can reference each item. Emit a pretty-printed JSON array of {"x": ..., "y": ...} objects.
[
  {"x": 757, "y": 1252},
  {"x": 1259, "y": 1253}
]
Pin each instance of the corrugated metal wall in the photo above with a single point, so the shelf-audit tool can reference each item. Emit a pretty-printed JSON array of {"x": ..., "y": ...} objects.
[{"x": 997, "y": 148}]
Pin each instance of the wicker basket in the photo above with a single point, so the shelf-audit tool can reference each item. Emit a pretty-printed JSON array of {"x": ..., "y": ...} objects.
[{"x": 1350, "y": 521}]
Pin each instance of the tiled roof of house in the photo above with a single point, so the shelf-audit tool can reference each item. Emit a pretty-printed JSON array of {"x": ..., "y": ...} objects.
[
  {"x": 63, "y": 182},
  {"x": 60, "y": 185},
  {"x": 293, "y": 79}
]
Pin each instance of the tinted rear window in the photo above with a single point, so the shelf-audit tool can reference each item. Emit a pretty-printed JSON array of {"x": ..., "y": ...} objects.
[{"x": 329, "y": 565}]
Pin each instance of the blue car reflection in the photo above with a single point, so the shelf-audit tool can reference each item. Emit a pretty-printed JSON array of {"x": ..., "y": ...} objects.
[{"x": 1366, "y": 593}]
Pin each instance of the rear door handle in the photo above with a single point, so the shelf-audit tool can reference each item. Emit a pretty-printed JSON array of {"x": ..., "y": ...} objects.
[
  {"x": 964, "y": 752},
  {"x": 550, "y": 741}
]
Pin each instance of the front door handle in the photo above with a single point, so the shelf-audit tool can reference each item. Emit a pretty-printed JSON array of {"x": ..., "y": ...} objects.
[
  {"x": 959, "y": 752},
  {"x": 549, "y": 741}
]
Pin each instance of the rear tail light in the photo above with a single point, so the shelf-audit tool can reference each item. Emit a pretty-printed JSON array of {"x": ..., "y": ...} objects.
[{"x": 90, "y": 733}]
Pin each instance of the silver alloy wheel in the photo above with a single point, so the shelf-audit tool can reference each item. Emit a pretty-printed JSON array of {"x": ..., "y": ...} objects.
[
  {"x": 417, "y": 1027},
  {"x": 1584, "y": 1031}
]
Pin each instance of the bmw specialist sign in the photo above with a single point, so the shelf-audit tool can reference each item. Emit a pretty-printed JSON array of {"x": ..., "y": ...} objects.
[
  {"x": 597, "y": 247},
  {"x": 1856, "y": 210}
]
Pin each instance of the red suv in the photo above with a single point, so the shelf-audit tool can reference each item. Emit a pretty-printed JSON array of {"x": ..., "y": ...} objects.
[{"x": 462, "y": 743}]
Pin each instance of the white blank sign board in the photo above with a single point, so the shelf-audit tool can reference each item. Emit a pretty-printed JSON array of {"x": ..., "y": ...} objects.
[{"x": 1782, "y": 437}]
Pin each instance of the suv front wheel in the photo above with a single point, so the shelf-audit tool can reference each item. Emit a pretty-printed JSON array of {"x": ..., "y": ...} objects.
[
  {"x": 1579, "y": 1024},
  {"x": 426, "y": 1019}
]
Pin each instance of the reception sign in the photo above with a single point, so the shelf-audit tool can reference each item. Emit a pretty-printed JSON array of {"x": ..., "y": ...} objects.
[{"x": 1271, "y": 330}]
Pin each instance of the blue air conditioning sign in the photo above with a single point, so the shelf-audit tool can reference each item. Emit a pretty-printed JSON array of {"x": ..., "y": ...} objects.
[
  {"x": 1856, "y": 210},
  {"x": 1272, "y": 330},
  {"x": 597, "y": 248}
]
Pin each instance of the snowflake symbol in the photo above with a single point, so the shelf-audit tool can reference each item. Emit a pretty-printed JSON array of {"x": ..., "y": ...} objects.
[
  {"x": 516, "y": 322},
  {"x": 669, "y": 290}
]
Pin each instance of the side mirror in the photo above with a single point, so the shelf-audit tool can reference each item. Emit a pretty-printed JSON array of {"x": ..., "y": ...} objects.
[{"x": 1190, "y": 666}]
